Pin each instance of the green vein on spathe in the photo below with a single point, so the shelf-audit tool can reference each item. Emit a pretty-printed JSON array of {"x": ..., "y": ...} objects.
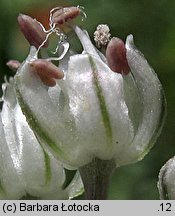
[
  {"x": 32, "y": 121},
  {"x": 101, "y": 100},
  {"x": 48, "y": 173}
]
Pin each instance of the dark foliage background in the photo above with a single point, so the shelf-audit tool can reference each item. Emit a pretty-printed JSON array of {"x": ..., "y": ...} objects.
[{"x": 153, "y": 25}]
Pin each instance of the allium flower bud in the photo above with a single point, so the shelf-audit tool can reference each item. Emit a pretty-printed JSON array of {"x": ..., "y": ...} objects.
[
  {"x": 94, "y": 112},
  {"x": 116, "y": 56},
  {"x": 32, "y": 30},
  {"x": 63, "y": 14},
  {"x": 47, "y": 71},
  {"x": 13, "y": 65},
  {"x": 166, "y": 183},
  {"x": 25, "y": 167}
]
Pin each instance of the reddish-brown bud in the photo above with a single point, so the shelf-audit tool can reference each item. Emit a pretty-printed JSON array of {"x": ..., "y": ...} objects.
[
  {"x": 62, "y": 15},
  {"x": 47, "y": 71},
  {"x": 13, "y": 65},
  {"x": 32, "y": 30},
  {"x": 116, "y": 56}
]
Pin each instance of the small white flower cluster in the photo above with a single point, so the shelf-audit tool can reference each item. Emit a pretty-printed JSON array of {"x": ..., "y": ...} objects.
[{"x": 102, "y": 35}]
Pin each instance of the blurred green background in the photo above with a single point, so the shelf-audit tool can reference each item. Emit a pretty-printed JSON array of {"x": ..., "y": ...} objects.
[{"x": 152, "y": 22}]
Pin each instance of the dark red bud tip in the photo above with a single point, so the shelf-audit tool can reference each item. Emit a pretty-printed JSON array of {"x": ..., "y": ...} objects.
[
  {"x": 32, "y": 30},
  {"x": 13, "y": 65},
  {"x": 116, "y": 56},
  {"x": 62, "y": 15},
  {"x": 47, "y": 71}
]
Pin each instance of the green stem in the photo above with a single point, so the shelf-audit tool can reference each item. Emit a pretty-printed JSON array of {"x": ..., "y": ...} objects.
[{"x": 96, "y": 176}]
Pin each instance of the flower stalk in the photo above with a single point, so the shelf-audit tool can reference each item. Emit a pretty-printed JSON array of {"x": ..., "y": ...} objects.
[{"x": 96, "y": 178}]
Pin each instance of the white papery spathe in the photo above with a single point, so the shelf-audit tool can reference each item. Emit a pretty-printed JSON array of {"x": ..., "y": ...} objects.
[
  {"x": 94, "y": 112},
  {"x": 25, "y": 167},
  {"x": 166, "y": 183}
]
